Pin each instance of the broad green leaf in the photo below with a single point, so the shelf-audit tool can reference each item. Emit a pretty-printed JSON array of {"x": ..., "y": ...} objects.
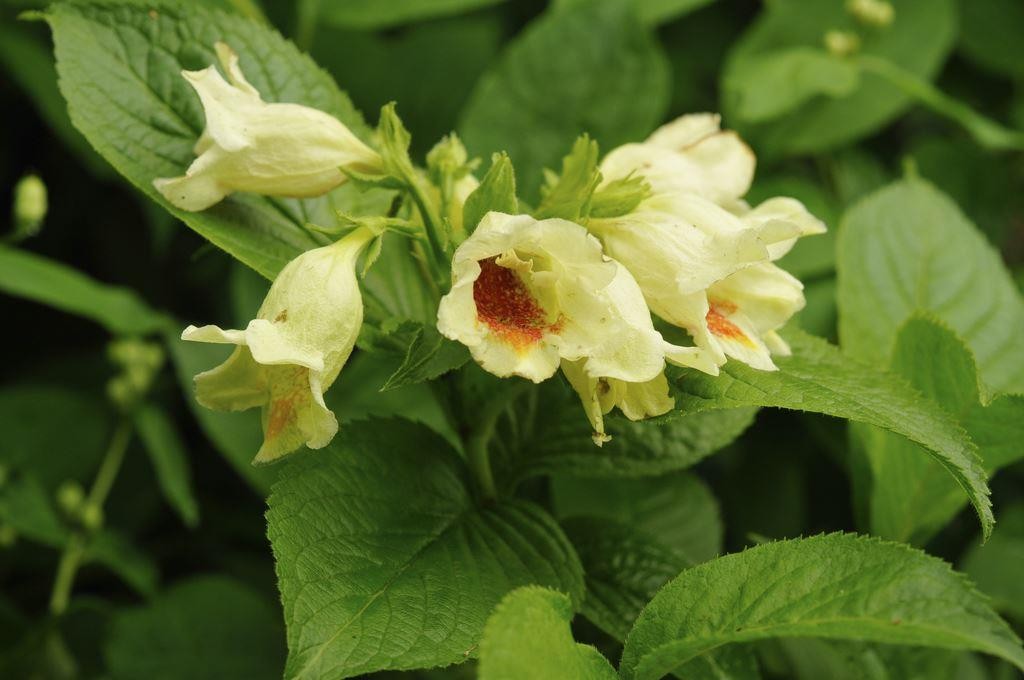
[
  {"x": 428, "y": 355},
  {"x": 832, "y": 586},
  {"x": 818, "y": 379},
  {"x": 767, "y": 88},
  {"x": 911, "y": 496},
  {"x": 373, "y": 14},
  {"x": 394, "y": 289},
  {"x": 548, "y": 433},
  {"x": 653, "y": 12},
  {"x": 907, "y": 248},
  {"x": 209, "y": 627},
  {"x": 677, "y": 508},
  {"x": 373, "y": 532},
  {"x": 990, "y": 35},
  {"x": 497, "y": 192},
  {"x": 528, "y": 636},
  {"x": 33, "y": 420},
  {"x": 51, "y": 283},
  {"x": 624, "y": 568},
  {"x": 919, "y": 39},
  {"x": 815, "y": 658},
  {"x": 995, "y": 566},
  {"x": 612, "y": 82},
  {"x": 170, "y": 461},
  {"x": 120, "y": 71}
]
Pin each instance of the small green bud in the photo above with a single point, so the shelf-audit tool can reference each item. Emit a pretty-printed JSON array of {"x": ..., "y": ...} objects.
[
  {"x": 92, "y": 517},
  {"x": 448, "y": 157},
  {"x": 30, "y": 207},
  {"x": 878, "y": 13},
  {"x": 842, "y": 43},
  {"x": 70, "y": 497},
  {"x": 139, "y": 361},
  {"x": 8, "y": 536}
]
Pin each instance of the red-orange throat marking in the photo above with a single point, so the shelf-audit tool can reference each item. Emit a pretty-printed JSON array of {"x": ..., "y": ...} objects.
[
  {"x": 506, "y": 306},
  {"x": 719, "y": 325}
]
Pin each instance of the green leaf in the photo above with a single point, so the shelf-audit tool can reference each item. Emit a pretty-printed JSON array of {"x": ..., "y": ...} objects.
[
  {"x": 372, "y": 532},
  {"x": 995, "y": 565},
  {"x": 919, "y": 39},
  {"x": 624, "y": 568},
  {"x": 497, "y": 192},
  {"x": 35, "y": 440},
  {"x": 120, "y": 71},
  {"x": 677, "y": 508},
  {"x": 550, "y": 436},
  {"x": 911, "y": 496},
  {"x": 373, "y": 14},
  {"x": 782, "y": 81},
  {"x": 51, "y": 283},
  {"x": 653, "y": 12},
  {"x": 170, "y": 461},
  {"x": 428, "y": 355},
  {"x": 818, "y": 379},
  {"x": 990, "y": 35},
  {"x": 393, "y": 289},
  {"x": 207, "y": 628},
  {"x": 612, "y": 82},
  {"x": 907, "y": 248},
  {"x": 835, "y": 586},
  {"x": 528, "y": 636}
]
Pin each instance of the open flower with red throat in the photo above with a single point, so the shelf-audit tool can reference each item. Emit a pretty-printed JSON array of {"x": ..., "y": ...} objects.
[
  {"x": 277, "y": 149},
  {"x": 293, "y": 350},
  {"x": 527, "y": 294}
]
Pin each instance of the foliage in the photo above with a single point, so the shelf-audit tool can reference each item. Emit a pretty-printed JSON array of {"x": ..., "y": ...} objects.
[{"x": 443, "y": 247}]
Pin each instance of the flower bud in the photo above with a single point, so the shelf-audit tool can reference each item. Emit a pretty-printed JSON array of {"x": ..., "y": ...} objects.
[
  {"x": 30, "y": 207},
  {"x": 293, "y": 351},
  {"x": 276, "y": 149},
  {"x": 691, "y": 154}
]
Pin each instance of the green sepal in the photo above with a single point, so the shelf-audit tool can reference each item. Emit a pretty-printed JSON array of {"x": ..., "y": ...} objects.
[
  {"x": 570, "y": 195},
  {"x": 620, "y": 197},
  {"x": 497, "y": 192}
]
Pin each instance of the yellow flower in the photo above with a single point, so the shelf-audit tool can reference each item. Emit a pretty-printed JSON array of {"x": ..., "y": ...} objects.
[
  {"x": 527, "y": 294},
  {"x": 275, "y": 149},
  {"x": 293, "y": 350},
  {"x": 692, "y": 154}
]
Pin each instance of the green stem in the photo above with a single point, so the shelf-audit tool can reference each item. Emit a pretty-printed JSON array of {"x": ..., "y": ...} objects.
[
  {"x": 477, "y": 446},
  {"x": 305, "y": 23},
  {"x": 986, "y": 132},
  {"x": 74, "y": 551},
  {"x": 432, "y": 223}
]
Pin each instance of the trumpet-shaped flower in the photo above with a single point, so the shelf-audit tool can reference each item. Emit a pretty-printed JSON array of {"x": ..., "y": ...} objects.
[
  {"x": 293, "y": 350},
  {"x": 277, "y": 149},
  {"x": 527, "y": 294},
  {"x": 691, "y": 154},
  {"x": 708, "y": 271}
]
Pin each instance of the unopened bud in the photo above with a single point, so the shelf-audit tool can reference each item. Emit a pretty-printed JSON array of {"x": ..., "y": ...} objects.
[
  {"x": 30, "y": 206},
  {"x": 842, "y": 43},
  {"x": 871, "y": 12},
  {"x": 70, "y": 497},
  {"x": 92, "y": 517}
]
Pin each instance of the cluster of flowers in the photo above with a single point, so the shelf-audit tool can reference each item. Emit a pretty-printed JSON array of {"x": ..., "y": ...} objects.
[{"x": 528, "y": 297}]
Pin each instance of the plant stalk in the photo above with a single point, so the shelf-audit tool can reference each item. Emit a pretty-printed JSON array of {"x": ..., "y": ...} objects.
[{"x": 74, "y": 551}]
